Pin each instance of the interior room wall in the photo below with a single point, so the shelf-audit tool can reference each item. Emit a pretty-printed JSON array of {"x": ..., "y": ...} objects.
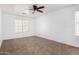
[
  {"x": 8, "y": 26},
  {"x": 59, "y": 26},
  {"x": 0, "y": 28},
  {"x": 0, "y": 24}
]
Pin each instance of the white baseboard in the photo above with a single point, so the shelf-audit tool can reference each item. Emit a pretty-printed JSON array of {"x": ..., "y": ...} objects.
[
  {"x": 43, "y": 36},
  {"x": 15, "y": 36},
  {"x": 64, "y": 42}
]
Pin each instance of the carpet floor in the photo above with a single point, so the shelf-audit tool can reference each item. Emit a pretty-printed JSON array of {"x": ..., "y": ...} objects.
[{"x": 35, "y": 45}]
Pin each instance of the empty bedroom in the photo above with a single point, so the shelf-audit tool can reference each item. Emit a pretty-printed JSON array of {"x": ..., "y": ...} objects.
[{"x": 39, "y": 29}]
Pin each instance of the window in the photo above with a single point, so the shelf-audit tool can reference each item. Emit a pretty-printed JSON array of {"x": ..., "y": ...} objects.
[
  {"x": 21, "y": 25},
  {"x": 77, "y": 23}
]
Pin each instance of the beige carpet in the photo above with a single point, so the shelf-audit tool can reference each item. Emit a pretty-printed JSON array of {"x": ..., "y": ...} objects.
[{"x": 36, "y": 46}]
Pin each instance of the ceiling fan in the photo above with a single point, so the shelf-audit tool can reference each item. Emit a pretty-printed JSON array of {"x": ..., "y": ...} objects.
[
  {"x": 38, "y": 9},
  {"x": 35, "y": 7}
]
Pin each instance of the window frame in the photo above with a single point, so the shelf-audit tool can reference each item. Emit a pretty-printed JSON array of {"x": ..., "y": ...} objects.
[
  {"x": 77, "y": 23},
  {"x": 21, "y": 25}
]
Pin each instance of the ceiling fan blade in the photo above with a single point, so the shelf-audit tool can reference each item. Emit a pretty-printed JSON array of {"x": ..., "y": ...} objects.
[
  {"x": 30, "y": 9},
  {"x": 40, "y": 7},
  {"x": 39, "y": 11}
]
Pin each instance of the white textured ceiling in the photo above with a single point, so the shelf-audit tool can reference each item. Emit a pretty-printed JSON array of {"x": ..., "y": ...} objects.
[{"x": 19, "y": 9}]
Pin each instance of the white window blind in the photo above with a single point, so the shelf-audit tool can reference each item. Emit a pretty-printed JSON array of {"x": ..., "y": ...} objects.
[{"x": 21, "y": 25}]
